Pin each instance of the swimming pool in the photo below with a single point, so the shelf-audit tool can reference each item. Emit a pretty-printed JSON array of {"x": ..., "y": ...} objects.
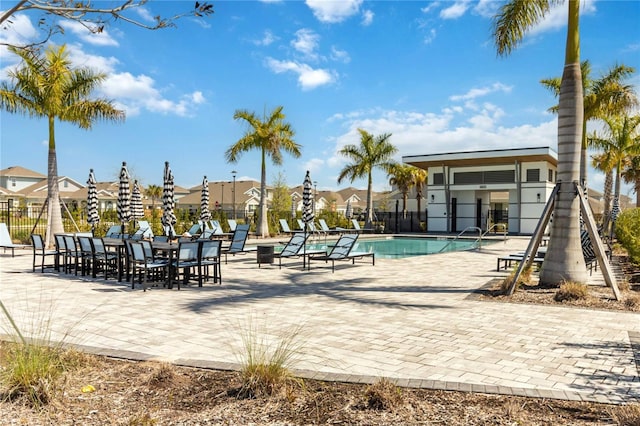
[{"x": 400, "y": 247}]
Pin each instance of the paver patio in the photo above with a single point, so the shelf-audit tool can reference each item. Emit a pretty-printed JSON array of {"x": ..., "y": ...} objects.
[{"x": 413, "y": 320}]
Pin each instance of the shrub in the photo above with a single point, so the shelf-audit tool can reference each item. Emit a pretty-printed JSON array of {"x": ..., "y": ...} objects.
[
  {"x": 383, "y": 395},
  {"x": 265, "y": 362},
  {"x": 571, "y": 291},
  {"x": 628, "y": 233}
]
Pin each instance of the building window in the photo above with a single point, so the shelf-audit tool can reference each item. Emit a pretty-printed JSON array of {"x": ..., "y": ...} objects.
[
  {"x": 533, "y": 175},
  {"x": 438, "y": 178},
  {"x": 550, "y": 175},
  {"x": 13, "y": 181},
  {"x": 500, "y": 176},
  {"x": 467, "y": 178},
  {"x": 65, "y": 184}
]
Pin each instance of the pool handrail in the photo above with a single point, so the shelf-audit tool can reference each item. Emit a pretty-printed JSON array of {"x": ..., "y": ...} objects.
[{"x": 479, "y": 240}]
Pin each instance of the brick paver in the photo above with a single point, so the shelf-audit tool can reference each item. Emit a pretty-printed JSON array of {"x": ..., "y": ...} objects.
[{"x": 411, "y": 320}]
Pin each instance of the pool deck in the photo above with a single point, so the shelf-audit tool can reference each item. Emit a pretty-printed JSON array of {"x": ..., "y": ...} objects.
[{"x": 416, "y": 320}]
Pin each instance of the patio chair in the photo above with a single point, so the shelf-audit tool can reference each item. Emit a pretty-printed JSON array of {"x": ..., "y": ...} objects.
[
  {"x": 195, "y": 230},
  {"x": 39, "y": 250},
  {"x": 86, "y": 254},
  {"x": 188, "y": 258},
  {"x": 342, "y": 250},
  {"x": 238, "y": 241},
  {"x": 6, "y": 242},
  {"x": 142, "y": 265},
  {"x": 232, "y": 224},
  {"x": 210, "y": 251},
  {"x": 103, "y": 260},
  {"x": 72, "y": 254}
]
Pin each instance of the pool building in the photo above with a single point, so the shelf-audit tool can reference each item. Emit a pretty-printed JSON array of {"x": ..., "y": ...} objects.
[{"x": 487, "y": 189}]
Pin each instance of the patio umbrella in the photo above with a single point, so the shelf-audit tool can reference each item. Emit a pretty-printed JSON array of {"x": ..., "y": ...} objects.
[
  {"x": 205, "y": 214},
  {"x": 92, "y": 201},
  {"x": 168, "y": 203},
  {"x": 137, "y": 211},
  {"x": 307, "y": 208},
  {"x": 124, "y": 212},
  {"x": 348, "y": 213}
]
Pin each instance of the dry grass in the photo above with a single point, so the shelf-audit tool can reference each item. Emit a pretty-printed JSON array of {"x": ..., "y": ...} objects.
[
  {"x": 626, "y": 415},
  {"x": 383, "y": 395},
  {"x": 632, "y": 302},
  {"x": 571, "y": 291},
  {"x": 525, "y": 278}
]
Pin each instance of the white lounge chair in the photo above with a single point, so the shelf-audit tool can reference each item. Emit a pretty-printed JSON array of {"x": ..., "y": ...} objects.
[{"x": 6, "y": 242}]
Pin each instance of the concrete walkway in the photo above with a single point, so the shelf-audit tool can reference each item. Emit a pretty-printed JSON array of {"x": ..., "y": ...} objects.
[{"x": 413, "y": 320}]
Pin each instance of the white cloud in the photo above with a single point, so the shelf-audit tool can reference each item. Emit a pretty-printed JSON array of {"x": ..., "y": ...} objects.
[
  {"x": 83, "y": 59},
  {"x": 96, "y": 38},
  {"x": 431, "y": 6},
  {"x": 306, "y": 42},
  {"x": 367, "y": 18},
  {"x": 144, "y": 13},
  {"x": 340, "y": 55},
  {"x": 487, "y": 8},
  {"x": 267, "y": 39},
  {"x": 19, "y": 31},
  {"x": 314, "y": 165},
  {"x": 334, "y": 11},
  {"x": 482, "y": 91},
  {"x": 428, "y": 39},
  {"x": 557, "y": 17},
  {"x": 455, "y": 11},
  {"x": 308, "y": 78}
]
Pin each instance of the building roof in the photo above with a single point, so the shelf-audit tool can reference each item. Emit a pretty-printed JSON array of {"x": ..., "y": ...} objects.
[
  {"x": 18, "y": 171},
  {"x": 480, "y": 158}
]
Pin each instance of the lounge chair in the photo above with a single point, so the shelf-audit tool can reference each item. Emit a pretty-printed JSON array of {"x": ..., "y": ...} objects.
[
  {"x": 232, "y": 224},
  {"x": 195, "y": 230},
  {"x": 356, "y": 226},
  {"x": 238, "y": 241},
  {"x": 311, "y": 227},
  {"x": 325, "y": 228},
  {"x": 294, "y": 248},
  {"x": 144, "y": 230},
  {"x": 114, "y": 231},
  {"x": 284, "y": 225},
  {"x": 6, "y": 242},
  {"x": 342, "y": 250}
]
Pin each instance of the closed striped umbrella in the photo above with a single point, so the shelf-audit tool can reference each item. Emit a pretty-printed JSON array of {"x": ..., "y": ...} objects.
[
  {"x": 349, "y": 210},
  {"x": 124, "y": 192},
  {"x": 307, "y": 201},
  {"x": 615, "y": 210},
  {"x": 205, "y": 214},
  {"x": 93, "y": 217},
  {"x": 168, "y": 203},
  {"x": 137, "y": 211}
]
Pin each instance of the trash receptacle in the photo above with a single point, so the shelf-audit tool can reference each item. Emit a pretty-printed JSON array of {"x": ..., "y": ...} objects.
[{"x": 265, "y": 254}]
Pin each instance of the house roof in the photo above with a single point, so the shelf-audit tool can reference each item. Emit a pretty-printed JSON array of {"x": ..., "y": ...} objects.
[{"x": 18, "y": 171}]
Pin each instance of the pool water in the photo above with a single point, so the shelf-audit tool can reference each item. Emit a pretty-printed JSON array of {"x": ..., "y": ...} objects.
[{"x": 398, "y": 248}]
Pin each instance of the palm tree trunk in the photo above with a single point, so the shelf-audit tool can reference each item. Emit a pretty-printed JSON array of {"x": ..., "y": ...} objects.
[
  {"x": 369, "y": 220},
  {"x": 419, "y": 201},
  {"x": 608, "y": 187},
  {"x": 404, "y": 205},
  {"x": 263, "y": 224},
  {"x": 637, "y": 187},
  {"x": 54, "y": 214},
  {"x": 564, "y": 260}
]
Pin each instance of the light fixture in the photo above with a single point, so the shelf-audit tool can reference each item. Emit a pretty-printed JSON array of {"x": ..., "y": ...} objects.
[
  {"x": 538, "y": 197},
  {"x": 433, "y": 198}
]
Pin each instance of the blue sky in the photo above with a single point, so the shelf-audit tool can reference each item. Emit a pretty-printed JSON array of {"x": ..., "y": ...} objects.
[{"x": 426, "y": 72}]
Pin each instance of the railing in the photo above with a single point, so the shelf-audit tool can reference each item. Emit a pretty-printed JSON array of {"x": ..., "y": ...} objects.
[
  {"x": 495, "y": 225},
  {"x": 479, "y": 240}
]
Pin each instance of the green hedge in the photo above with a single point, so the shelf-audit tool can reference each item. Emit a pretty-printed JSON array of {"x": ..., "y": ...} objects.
[{"x": 628, "y": 232}]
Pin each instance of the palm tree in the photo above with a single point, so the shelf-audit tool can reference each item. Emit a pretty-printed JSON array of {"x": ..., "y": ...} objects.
[
  {"x": 602, "y": 162},
  {"x": 271, "y": 136},
  {"x": 373, "y": 152},
  {"x": 403, "y": 176},
  {"x": 564, "y": 260},
  {"x": 47, "y": 86},
  {"x": 631, "y": 174},
  {"x": 622, "y": 142},
  {"x": 603, "y": 97},
  {"x": 420, "y": 180},
  {"x": 154, "y": 192}
]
